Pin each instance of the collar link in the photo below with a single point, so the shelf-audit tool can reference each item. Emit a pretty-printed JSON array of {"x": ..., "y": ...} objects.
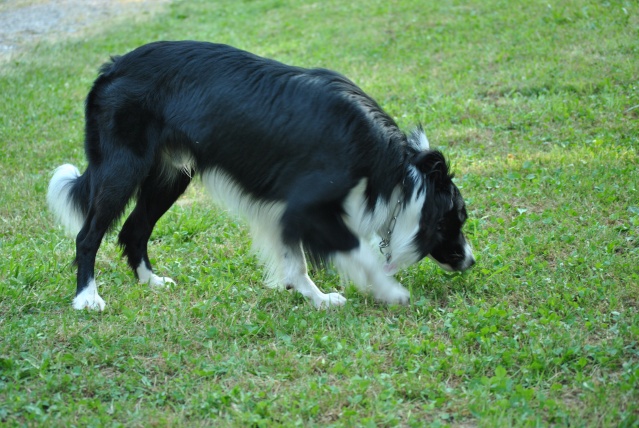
[{"x": 385, "y": 242}]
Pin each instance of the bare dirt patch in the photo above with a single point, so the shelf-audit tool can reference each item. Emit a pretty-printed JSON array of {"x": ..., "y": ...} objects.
[{"x": 24, "y": 23}]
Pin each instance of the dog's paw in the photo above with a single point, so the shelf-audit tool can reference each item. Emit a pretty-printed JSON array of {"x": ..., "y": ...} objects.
[
  {"x": 329, "y": 300},
  {"x": 89, "y": 299},
  {"x": 158, "y": 281},
  {"x": 395, "y": 295},
  {"x": 146, "y": 276}
]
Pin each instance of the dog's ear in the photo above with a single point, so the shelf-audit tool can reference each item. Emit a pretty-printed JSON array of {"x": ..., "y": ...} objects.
[{"x": 432, "y": 164}]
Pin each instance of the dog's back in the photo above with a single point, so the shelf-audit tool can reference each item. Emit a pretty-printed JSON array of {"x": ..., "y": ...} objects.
[{"x": 234, "y": 110}]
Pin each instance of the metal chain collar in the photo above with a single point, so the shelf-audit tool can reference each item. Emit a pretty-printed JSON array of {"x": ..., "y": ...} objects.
[{"x": 385, "y": 242}]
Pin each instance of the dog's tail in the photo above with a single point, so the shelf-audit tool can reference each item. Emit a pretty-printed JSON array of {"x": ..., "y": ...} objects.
[{"x": 68, "y": 197}]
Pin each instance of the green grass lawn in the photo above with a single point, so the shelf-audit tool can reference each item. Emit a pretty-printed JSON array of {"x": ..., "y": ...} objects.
[{"x": 536, "y": 105}]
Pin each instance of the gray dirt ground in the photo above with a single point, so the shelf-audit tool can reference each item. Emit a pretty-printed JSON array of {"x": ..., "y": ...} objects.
[{"x": 24, "y": 23}]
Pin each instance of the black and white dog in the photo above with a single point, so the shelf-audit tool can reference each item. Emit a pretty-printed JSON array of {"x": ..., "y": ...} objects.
[{"x": 312, "y": 162}]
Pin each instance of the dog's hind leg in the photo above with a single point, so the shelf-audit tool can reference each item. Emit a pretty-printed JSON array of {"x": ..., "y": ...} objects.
[
  {"x": 112, "y": 188},
  {"x": 157, "y": 194}
]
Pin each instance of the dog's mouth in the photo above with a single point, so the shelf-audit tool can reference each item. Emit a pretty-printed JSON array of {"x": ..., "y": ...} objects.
[
  {"x": 465, "y": 265},
  {"x": 459, "y": 262}
]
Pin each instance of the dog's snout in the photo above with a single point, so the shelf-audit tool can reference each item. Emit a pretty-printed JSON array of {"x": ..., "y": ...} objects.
[
  {"x": 470, "y": 263},
  {"x": 469, "y": 259}
]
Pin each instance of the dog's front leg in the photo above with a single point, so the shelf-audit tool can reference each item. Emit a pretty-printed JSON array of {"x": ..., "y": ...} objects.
[
  {"x": 296, "y": 277},
  {"x": 363, "y": 268}
]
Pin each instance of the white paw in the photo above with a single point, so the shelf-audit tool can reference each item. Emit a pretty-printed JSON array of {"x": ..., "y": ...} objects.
[
  {"x": 89, "y": 298},
  {"x": 392, "y": 295},
  {"x": 146, "y": 276},
  {"x": 325, "y": 301},
  {"x": 158, "y": 281}
]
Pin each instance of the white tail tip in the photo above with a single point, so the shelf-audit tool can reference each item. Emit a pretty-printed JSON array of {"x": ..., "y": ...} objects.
[{"x": 67, "y": 213}]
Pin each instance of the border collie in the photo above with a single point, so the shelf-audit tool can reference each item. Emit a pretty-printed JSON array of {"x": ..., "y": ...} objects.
[{"x": 314, "y": 164}]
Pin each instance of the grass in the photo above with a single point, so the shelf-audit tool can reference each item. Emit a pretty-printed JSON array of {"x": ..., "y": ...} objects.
[{"x": 534, "y": 103}]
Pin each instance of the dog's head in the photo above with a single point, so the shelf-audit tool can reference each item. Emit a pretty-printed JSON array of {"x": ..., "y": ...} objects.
[
  {"x": 432, "y": 221},
  {"x": 443, "y": 215}
]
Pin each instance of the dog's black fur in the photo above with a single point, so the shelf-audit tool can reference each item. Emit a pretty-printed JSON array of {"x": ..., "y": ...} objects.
[{"x": 300, "y": 138}]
